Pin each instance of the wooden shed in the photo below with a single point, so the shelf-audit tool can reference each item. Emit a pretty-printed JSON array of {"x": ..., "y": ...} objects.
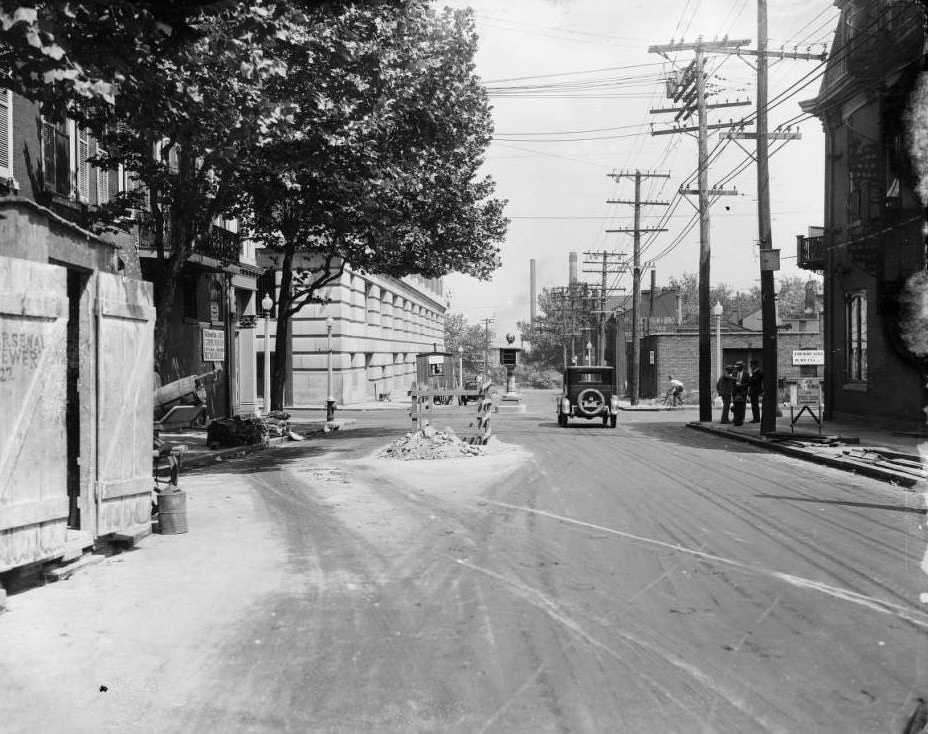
[
  {"x": 76, "y": 384},
  {"x": 438, "y": 370}
]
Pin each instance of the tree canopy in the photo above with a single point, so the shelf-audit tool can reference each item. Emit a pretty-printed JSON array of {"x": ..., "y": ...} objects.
[
  {"x": 350, "y": 132},
  {"x": 378, "y": 167}
]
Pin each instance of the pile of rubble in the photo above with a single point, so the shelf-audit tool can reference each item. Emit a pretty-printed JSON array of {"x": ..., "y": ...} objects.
[{"x": 430, "y": 444}]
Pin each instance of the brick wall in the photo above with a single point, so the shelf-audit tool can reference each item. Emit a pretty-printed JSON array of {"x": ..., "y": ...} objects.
[{"x": 678, "y": 355}]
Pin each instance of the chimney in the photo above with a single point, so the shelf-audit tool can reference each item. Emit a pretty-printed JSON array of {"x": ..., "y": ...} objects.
[
  {"x": 573, "y": 268},
  {"x": 532, "y": 286}
]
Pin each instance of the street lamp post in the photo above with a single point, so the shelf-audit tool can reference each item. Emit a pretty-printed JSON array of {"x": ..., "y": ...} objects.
[
  {"x": 717, "y": 312},
  {"x": 329, "y": 401},
  {"x": 266, "y": 305}
]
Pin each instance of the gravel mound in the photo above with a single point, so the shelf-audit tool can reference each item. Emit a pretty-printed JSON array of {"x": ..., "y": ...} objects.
[{"x": 434, "y": 444}]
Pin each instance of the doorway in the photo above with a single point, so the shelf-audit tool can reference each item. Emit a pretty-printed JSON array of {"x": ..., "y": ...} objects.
[{"x": 77, "y": 284}]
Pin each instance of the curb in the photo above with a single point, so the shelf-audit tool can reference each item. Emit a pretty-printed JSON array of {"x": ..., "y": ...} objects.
[{"x": 873, "y": 472}]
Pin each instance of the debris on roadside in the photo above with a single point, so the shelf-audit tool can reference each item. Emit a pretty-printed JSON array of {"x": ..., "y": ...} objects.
[
  {"x": 239, "y": 431},
  {"x": 909, "y": 464},
  {"x": 277, "y": 423},
  {"x": 430, "y": 443}
]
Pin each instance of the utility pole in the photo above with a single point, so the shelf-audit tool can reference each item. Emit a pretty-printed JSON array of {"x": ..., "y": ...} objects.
[
  {"x": 681, "y": 89},
  {"x": 633, "y": 383},
  {"x": 486, "y": 346},
  {"x": 769, "y": 257},
  {"x": 651, "y": 298},
  {"x": 768, "y": 423}
]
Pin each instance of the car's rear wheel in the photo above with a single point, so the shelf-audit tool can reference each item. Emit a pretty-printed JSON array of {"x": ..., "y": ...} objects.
[{"x": 590, "y": 402}]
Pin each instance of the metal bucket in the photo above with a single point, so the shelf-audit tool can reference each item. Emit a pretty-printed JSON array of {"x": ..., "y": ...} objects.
[{"x": 172, "y": 512}]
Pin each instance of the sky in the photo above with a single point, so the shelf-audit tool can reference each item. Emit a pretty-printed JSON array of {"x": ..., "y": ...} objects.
[{"x": 572, "y": 84}]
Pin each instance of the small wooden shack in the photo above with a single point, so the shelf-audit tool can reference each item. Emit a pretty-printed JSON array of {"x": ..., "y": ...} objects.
[
  {"x": 438, "y": 372},
  {"x": 76, "y": 384}
]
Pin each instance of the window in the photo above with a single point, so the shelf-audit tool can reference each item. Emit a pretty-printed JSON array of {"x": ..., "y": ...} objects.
[
  {"x": 56, "y": 157},
  {"x": 856, "y": 317}
]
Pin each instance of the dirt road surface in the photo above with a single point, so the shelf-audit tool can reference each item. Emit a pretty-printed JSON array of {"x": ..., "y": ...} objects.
[{"x": 640, "y": 579}]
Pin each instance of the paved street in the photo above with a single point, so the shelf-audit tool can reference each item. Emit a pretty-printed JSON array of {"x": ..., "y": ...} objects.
[{"x": 648, "y": 578}]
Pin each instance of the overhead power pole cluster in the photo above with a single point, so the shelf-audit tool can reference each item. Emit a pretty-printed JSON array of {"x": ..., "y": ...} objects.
[
  {"x": 687, "y": 89},
  {"x": 605, "y": 264},
  {"x": 636, "y": 231},
  {"x": 569, "y": 307}
]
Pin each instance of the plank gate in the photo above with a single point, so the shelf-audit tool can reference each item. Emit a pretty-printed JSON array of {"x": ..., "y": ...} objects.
[
  {"x": 116, "y": 467},
  {"x": 33, "y": 443},
  {"x": 125, "y": 349}
]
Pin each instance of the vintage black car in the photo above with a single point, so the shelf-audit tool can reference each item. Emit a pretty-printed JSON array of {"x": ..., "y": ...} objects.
[{"x": 588, "y": 393}]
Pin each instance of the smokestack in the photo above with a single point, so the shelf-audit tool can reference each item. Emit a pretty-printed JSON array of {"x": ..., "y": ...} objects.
[
  {"x": 573, "y": 268},
  {"x": 532, "y": 288}
]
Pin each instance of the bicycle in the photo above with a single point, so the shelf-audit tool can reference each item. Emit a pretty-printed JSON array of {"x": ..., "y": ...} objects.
[{"x": 672, "y": 398}]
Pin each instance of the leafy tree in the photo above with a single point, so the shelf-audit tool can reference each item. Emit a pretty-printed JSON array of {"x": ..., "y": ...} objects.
[
  {"x": 472, "y": 338},
  {"x": 563, "y": 316},
  {"x": 379, "y": 170},
  {"x": 173, "y": 92}
]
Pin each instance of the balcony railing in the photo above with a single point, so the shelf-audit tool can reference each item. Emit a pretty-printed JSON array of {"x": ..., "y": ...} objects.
[
  {"x": 810, "y": 252},
  {"x": 218, "y": 243},
  {"x": 221, "y": 244}
]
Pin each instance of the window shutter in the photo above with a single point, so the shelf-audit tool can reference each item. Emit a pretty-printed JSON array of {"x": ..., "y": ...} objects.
[
  {"x": 101, "y": 177},
  {"x": 6, "y": 157},
  {"x": 83, "y": 167}
]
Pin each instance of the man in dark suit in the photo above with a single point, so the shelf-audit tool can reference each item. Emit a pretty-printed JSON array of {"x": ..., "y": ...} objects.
[
  {"x": 755, "y": 390},
  {"x": 739, "y": 393}
]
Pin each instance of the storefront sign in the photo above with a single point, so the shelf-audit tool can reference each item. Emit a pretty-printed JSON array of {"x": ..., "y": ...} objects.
[{"x": 214, "y": 345}]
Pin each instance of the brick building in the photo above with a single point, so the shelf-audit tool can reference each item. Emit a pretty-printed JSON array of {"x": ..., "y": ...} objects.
[{"x": 873, "y": 238}]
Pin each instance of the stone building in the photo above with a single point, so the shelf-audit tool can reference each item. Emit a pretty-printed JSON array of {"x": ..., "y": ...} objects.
[{"x": 379, "y": 325}]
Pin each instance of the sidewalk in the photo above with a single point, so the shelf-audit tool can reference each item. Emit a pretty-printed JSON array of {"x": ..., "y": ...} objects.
[{"x": 879, "y": 451}]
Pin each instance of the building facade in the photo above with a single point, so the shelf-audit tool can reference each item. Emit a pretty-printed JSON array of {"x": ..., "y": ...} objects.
[
  {"x": 873, "y": 239},
  {"x": 76, "y": 352},
  {"x": 378, "y": 326}
]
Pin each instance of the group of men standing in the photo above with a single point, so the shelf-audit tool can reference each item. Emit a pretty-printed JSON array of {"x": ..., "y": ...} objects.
[{"x": 736, "y": 387}]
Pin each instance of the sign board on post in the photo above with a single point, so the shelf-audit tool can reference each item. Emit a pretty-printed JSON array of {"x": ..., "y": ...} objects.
[
  {"x": 808, "y": 357},
  {"x": 214, "y": 345},
  {"x": 769, "y": 259},
  {"x": 807, "y": 396}
]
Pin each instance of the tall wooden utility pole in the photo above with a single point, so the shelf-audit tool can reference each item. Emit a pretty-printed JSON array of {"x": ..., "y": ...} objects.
[
  {"x": 687, "y": 88},
  {"x": 607, "y": 263},
  {"x": 767, "y": 293},
  {"x": 769, "y": 257},
  {"x": 633, "y": 382}
]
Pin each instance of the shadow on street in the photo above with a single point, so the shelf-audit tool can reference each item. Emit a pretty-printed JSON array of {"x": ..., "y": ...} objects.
[{"x": 843, "y": 503}]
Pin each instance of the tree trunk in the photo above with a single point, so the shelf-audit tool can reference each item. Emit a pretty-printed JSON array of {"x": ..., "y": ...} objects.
[
  {"x": 165, "y": 287},
  {"x": 284, "y": 298}
]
